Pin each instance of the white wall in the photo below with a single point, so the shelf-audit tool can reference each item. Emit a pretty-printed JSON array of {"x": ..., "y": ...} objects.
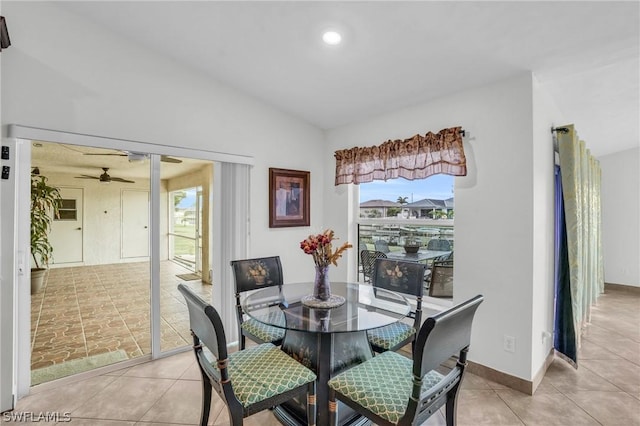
[
  {"x": 102, "y": 217},
  {"x": 621, "y": 217},
  {"x": 545, "y": 116},
  {"x": 67, "y": 74},
  {"x": 495, "y": 214}
]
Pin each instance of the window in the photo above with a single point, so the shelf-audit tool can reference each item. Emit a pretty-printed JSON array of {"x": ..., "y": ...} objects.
[
  {"x": 399, "y": 215},
  {"x": 67, "y": 210}
]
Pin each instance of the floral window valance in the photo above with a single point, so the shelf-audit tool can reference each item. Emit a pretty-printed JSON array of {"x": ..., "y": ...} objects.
[{"x": 415, "y": 158}]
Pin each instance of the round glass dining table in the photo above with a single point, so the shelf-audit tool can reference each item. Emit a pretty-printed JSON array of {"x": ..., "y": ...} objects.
[{"x": 326, "y": 340}]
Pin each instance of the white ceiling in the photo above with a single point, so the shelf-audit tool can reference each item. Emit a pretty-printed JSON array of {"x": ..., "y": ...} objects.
[
  {"x": 77, "y": 160},
  {"x": 398, "y": 54}
]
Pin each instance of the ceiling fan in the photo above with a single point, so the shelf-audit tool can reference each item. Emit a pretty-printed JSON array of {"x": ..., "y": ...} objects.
[
  {"x": 105, "y": 178},
  {"x": 136, "y": 157}
]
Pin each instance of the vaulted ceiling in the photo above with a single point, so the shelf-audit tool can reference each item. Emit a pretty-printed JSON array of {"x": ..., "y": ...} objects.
[{"x": 398, "y": 54}]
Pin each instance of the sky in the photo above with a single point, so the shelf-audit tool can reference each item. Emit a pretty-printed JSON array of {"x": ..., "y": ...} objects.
[
  {"x": 439, "y": 187},
  {"x": 189, "y": 200}
]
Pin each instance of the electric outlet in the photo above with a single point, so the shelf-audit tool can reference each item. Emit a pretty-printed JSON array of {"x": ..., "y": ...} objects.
[{"x": 509, "y": 343}]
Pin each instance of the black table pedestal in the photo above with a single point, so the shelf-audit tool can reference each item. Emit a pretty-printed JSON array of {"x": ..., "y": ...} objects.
[{"x": 313, "y": 349}]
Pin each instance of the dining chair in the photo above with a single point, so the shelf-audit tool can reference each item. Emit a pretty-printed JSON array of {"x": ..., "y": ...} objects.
[
  {"x": 404, "y": 277},
  {"x": 381, "y": 245},
  {"x": 367, "y": 259},
  {"x": 428, "y": 272},
  {"x": 253, "y": 274},
  {"x": 441, "y": 281},
  {"x": 248, "y": 381},
  {"x": 391, "y": 389},
  {"x": 439, "y": 244}
]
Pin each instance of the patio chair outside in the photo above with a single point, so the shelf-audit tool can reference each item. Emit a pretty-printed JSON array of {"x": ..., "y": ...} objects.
[{"x": 367, "y": 259}]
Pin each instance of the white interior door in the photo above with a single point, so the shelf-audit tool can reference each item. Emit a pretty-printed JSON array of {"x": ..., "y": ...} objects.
[
  {"x": 135, "y": 223},
  {"x": 67, "y": 229}
]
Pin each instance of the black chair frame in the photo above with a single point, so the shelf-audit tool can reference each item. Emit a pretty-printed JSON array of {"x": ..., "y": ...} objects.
[
  {"x": 441, "y": 336},
  {"x": 413, "y": 287},
  {"x": 208, "y": 331},
  {"x": 244, "y": 284}
]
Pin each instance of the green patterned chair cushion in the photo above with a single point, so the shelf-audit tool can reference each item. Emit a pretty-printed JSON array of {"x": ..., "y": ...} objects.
[
  {"x": 382, "y": 384},
  {"x": 389, "y": 336},
  {"x": 263, "y": 371},
  {"x": 264, "y": 332}
]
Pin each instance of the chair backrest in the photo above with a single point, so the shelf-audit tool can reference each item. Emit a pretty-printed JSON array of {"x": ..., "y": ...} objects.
[
  {"x": 443, "y": 335},
  {"x": 205, "y": 323},
  {"x": 439, "y": 244},
  {"x": 403, "y": 277},
  {"x": 441, "y": 279},
  {"x": 367, "y": 259},
  {"x": 252, "y": 274},
  {"x": 397, "y": 275},
  {"x": 382, "y": 245}
]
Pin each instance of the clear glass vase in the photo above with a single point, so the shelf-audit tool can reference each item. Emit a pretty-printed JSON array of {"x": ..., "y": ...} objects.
[{"x": 322, "y": 285}]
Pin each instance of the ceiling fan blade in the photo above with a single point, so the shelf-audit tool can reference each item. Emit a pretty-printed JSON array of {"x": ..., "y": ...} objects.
[
  {"x": 116, "y": 179},
  {"x": 167, "y": 159},
  {"x": 86, "y": 177},
  {"x": 109, "y": 153}
]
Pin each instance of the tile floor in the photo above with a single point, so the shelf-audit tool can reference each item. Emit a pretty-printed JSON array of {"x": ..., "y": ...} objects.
[
  {"x": 605, "y": 390},
  {"x": 90, "y": 310}
]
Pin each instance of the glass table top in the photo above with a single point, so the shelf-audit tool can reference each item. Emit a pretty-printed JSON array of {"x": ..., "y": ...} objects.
[{"x": 365, "y": 308}]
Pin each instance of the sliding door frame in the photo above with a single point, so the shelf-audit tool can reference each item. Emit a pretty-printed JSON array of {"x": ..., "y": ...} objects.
[{"x": 22, "y": 136}]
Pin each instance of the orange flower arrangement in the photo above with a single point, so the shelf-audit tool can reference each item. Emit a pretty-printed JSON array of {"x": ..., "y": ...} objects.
[{"x": 320, "y": 247}]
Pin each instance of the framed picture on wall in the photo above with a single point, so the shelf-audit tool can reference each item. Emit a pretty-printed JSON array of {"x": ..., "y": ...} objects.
[{"x": 289, "y": 198}]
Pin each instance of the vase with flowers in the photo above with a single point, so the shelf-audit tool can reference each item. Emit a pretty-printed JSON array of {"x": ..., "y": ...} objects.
[{"x": 320, "y": 247}]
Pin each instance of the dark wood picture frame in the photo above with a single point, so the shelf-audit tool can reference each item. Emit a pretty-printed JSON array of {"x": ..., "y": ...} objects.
[{"x": 289, "y": 198}]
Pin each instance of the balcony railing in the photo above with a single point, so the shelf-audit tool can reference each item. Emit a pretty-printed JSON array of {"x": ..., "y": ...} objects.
[{"x": 396, "y": 232}]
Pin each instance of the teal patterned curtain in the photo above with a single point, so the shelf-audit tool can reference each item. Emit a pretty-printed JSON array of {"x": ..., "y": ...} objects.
[{"x": 581, "y": 193}]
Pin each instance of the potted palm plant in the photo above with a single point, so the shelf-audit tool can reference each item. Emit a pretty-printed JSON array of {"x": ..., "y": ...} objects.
[{"x": 45, "y": 202}]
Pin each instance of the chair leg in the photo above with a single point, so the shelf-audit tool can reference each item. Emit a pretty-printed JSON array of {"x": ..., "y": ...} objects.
[
  {"x": 236, "y": 418},
  {"x": 206, "y": 400},
  {"x": 243, "y": 341},
  {"x": 333, "y": 408},
  {"x": 311, "y": 404},
  {"x": 451, "y": 407}
]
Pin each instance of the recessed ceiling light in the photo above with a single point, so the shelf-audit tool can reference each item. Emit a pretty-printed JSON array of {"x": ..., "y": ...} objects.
[{"x": 331, "y": 37}]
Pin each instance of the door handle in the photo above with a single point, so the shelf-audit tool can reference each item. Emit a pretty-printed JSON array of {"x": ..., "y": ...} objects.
[{"x": 78, "y": 229}]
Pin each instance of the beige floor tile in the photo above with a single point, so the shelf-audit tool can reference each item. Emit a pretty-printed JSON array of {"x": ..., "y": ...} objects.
[
  {"x": 263, "y": 418},
  {"x": 65, "y": 397},
  {"x": 96, "y": 422},
  {"x": 180, "y": 404},
  {"x": 126, "y": 398},
  {"x": 545, "y": 409},
  {"x": 192, "y": 372},
  {"x": 622, "y": 373},
  {"x": 591, "y": 350},
  {"x": 484, "y": 407},
  {"x": 474, "y": 382},
  {"x": 609, "y": 408},
  {"x": 166, "y": 368},
  {"x": 565, "y": 378}
]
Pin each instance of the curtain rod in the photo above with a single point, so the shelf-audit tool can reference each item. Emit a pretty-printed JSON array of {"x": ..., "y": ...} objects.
[{"x": 558, "y": 129}]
